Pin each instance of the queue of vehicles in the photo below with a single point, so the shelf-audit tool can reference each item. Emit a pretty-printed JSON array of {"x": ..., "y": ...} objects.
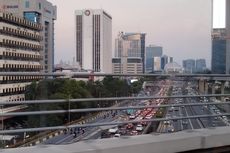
[{"x": 138, "y": 127}]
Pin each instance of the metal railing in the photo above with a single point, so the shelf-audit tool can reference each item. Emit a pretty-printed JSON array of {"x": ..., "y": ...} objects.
[
  {"x": 70, "y": 101},
  {"x": 109, "y": 109}
]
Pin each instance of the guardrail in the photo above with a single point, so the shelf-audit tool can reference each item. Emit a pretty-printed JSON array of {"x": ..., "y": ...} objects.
[
  {"x": 107, "y": 109},
  {"x": 70, "y": 101}
]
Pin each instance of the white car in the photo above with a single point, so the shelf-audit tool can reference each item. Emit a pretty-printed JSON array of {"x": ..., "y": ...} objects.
[
  {"x": 113, "y": 130},
  {"x": 139, "y": 127},
  {"x": 117, "y": 135},
  {"x": 132, "y": 116}
]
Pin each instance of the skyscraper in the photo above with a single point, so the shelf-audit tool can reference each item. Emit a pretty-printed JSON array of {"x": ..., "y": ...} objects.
[
  {"x": 218, "y": 62},
  {"x": 200, "y": 65},
  {"x": 165, "y": 60},
  {"x": 189, "y": 65},
  {"x": 20, "y": 49},
  {"x": 228, "y": 36},
  {"x": 151, "y": 52},
  {"x": 131, "y": 45},
  {"x": 41, "y": 12},
  {"x": 94, "y": 40}
]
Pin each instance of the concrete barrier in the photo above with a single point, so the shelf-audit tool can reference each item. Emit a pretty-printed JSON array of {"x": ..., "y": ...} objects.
[{"x": 164, "y": 143}]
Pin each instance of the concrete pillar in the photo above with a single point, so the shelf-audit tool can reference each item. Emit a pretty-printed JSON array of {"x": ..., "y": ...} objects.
[
  {"x": 222, "y": 90},
  {"x": 201, "y": 86},
  {"x": 213, "y": 89},
  {"x": 205, "y": 87}
]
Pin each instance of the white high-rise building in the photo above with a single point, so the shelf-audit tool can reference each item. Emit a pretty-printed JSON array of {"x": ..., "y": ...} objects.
[
  {"x": 39, "y": 12},
  {"x": 94, "y": 40}
]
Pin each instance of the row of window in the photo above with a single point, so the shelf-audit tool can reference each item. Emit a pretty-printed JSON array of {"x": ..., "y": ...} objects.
[
  {"x": 16, "y": 99},
  {"x": 16, "y": 20},
  {"x": 19, "y": 33},
  {"x": 22, "y": 66},
  {"x": 11, "y": 96},
  {"x": 20, "y": 45},
  {"x": 20, "y": 78},
  {"x": 13, "y": 90},
  {"x": 20, "y": 56}
]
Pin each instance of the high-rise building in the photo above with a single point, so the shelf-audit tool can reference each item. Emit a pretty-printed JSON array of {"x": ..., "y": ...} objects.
[
  {"x": 157, "y": 64},
  {"x": 150, "y": 53},
  {"x": 228, "y": 36},
  {"x": 165, "y": 60},
  {"x": 41, "y": 12},
  {"x": 129, "y": 45},
  {"x": 94, "y": 40},
  {"x": 20, "y": 47},
  {"x": 200, "y": 65},
  {"x": 189, "y": 65},
  {"x": 218, "y": 62},
  {"x": 130, "y": 65}
]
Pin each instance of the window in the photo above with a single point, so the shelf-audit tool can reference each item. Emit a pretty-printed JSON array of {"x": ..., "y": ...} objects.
[{"x": 27, "y": 4}]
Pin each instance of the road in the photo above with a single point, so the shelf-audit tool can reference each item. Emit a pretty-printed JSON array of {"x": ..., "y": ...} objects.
[
  {"x": 185, "y": 124},
  {"x": 94, "y": 132}
]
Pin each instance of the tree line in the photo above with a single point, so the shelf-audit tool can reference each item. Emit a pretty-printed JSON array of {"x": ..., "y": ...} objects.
[{"x": 72, "y": 89}]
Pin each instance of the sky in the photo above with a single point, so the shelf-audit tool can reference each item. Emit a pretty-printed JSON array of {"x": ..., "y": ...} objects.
[{"x": 181, "y": 27}]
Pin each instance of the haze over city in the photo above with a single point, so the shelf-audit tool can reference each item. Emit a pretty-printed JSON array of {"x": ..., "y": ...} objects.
[{"x": 183, "y": 32}]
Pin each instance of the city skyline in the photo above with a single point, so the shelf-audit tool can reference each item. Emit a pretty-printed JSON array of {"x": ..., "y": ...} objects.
[{"x": 196, "y": 25}]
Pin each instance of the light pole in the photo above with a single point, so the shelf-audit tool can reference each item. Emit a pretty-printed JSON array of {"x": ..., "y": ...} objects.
[
  {"x": 2, "y": 118},
  {"x": 3, "y": 141},
  {"x": 69, "y": 109}
]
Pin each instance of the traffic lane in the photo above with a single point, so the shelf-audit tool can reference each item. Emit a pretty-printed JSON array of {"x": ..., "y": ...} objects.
[
  {"x": 194, "y": 122},
  {"x": 206, "y": 122},
  {"x": 88, "y": 130},
  {"x": 210, "y": 121},
  {"x": 187, "y": 122},
  {"x": 63, "y": 138}
]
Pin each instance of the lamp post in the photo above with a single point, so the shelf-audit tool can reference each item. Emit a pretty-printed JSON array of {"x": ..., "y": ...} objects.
[{"x": 3, "y": 141}]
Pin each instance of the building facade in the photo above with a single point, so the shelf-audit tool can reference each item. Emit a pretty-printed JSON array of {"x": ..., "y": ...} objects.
[
  {"x": 200, "y": 65},
  {"x": 228, "y": 36},
  {"x": 189, "y": 65},
  {"x": 94, "y": 40},
  {"x": 157, "y": 64},
  {"x": 219, "y": 45},
  {"x": 131, "y": 65},
  {"x": 150, "y": 53},
  {"x": 165, "y": 60},
  {"x": 131, "y": 45},
  {"x": 41, "y": 12},
  {"x": 20, "y": 47}
]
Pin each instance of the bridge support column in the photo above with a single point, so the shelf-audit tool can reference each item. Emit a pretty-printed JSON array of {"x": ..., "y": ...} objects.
[
  {"x": 222, "y": 90},
  {"x": 201, "y": 86},
  {"x": 213, "y": 89},
  {"x": 205, "y": 87}
]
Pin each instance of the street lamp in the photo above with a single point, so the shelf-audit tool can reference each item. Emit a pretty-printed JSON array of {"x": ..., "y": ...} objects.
[{"x": 3, "y": 141}]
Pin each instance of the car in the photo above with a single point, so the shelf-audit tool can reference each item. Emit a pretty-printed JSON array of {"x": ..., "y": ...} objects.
[
  {"x": 134, "y": 132},
  {"x": 113, "y": 130},
  {"x": 171, "y": 129},
  {"x": 166, "y": 122},
  {"x": 184, "y": 122},
  {"x": 132, "y": 116},
  {"x": 148, "y": 117},
  {"x": 117, "y": 135},
  {"x": 129, "y": 126},
  {"x": 144, "y": 123},
  {"x": 171, "y": 109},
  {"x": 176, "y": 109},
  {"x": 139, "y": 127}
]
